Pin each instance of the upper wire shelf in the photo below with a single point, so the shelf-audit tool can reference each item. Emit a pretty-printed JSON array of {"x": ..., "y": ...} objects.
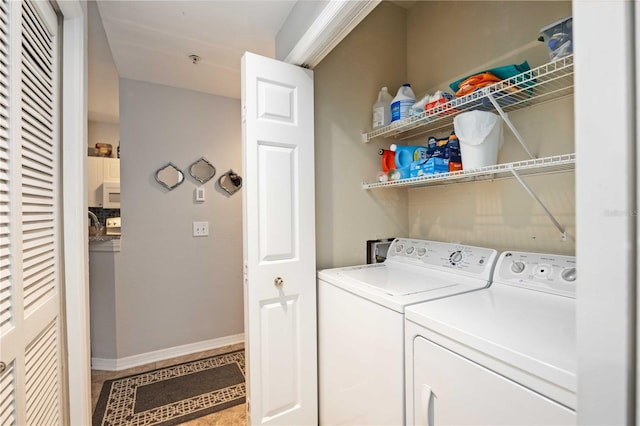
[
  {"x": 538, "y": 85},
  {"x": 543, "y": 165}
]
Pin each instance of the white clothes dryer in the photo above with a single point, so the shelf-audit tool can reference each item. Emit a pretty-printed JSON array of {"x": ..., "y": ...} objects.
[
  {"x": 502, "y": 355},
  {"x": 361, "y": 324}
]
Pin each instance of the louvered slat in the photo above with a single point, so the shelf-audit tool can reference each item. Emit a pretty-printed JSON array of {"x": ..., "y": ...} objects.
[
  {"x": 38, "y": 208},
  {"x": 33, "y": 117},
  {"x": 37, "y": 137},
  {"x": 41, "y": 373},
  {"x": 31, "y": 176},
  {"x": 41, "y": 84},
  {"x": 38, "y": 31},
  {"x": 7, "y": 396},
  {"x": 40, "y": 234},
  {"x": 38, "y": 295},
  {"x": 36, "y": 50},
  {"x": 7, "y": 414},
  {"x": 36, "y": 246},
  {"x": 40, "y": 258},
  {"x": 40, "y": 87},
  {"x": 34, "y": 153}
]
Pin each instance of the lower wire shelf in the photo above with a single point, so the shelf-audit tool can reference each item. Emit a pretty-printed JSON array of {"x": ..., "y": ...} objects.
[{"x": 544, "y": 165}]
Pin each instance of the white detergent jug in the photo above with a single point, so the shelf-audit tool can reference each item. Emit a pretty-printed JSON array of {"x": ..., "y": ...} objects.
[
  {"x": 401, "y": 104},
  {"x": 382, "y": 109}
]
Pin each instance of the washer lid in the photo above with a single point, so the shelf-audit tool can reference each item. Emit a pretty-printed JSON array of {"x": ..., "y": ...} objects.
[{"x": 394, "y": 281}]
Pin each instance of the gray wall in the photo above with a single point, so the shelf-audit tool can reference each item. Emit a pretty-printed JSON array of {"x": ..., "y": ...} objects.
[
  {"x": 347, "y": 82},
  {"x": 174, "y": 289}
]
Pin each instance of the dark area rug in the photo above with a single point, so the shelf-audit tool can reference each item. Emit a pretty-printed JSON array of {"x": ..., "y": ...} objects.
[{"x": 173, "y": 395}]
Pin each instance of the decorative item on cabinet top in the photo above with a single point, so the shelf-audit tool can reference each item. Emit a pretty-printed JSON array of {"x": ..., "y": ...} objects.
[
  {"x": 169, "y": 176},
  {"x": 202, "y": 170},
  {"x": 230, "y": 182}
]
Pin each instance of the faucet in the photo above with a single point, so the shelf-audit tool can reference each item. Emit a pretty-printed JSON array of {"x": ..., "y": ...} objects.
[{"x": 96, "y": 222}]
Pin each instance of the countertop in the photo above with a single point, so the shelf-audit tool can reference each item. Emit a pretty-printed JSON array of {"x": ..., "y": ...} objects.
[{"x": 105, "y": 243}]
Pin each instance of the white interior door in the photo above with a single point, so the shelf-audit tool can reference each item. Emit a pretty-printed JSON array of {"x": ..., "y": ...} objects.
[
  {"x": 279, "y": 242},
  {"x": 31, "y": 385}
]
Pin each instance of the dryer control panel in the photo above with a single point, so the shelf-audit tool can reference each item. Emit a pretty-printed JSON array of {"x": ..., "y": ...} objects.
[
  {"x": 549, "y": 273},
  {"x": 473, "y": 261}
]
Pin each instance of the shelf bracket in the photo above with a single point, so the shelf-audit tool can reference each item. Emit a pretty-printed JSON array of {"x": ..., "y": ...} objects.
[
  {"x": 510, "y": 124},
  {"x": 563, "y": 232}
]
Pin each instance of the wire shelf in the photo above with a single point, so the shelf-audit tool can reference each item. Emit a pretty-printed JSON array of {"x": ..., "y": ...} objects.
[
  {"x": 544, "y": 165},
  {"x": 538, "y": 85}
]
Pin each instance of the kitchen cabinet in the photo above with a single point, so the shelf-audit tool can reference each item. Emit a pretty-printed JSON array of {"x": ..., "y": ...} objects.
[
  {"x": 111, "y": 169},
  {"x": 99, "y": 171}
]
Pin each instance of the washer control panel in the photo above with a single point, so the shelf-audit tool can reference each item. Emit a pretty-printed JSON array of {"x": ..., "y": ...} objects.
[
  {"x": 549, "y": 273},
  {"x": 477, "y": 261}
]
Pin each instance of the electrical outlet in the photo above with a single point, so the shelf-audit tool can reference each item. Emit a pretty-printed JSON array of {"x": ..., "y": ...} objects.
[{"x": 200, "y": 229}]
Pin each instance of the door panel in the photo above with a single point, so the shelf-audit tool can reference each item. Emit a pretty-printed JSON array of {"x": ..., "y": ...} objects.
[
  {"x": 277, "y": 208},
  {"x": 280, "y": 359},
  {"x": 31, "y": 387},
  {"x": 279, "y": 242},
  {"x": 450, "y": 389}
]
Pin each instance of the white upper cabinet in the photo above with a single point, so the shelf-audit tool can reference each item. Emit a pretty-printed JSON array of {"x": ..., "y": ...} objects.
[{"x": 99, "y": 171}]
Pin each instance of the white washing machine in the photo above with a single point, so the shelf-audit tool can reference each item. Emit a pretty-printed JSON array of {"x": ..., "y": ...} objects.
[
  {"x": 502, "y": 355},
  {"x": 361, "y": 324}
]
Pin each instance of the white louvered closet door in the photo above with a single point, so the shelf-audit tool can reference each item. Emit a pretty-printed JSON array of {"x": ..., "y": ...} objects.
[{"x": 31, "y": 385}]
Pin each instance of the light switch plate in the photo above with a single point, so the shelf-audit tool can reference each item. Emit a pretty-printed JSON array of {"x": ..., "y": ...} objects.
[
  {"x": 200, "y": 194},
  {"x": 200, "y": 229}
]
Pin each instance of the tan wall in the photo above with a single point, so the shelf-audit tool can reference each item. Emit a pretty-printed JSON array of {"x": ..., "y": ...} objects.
[
  {"x": 102, "y": 132},
  {"x": 347, "y": 82},
  {"x": 448, "y": 40},
  {"x": 444, "y": 41}
]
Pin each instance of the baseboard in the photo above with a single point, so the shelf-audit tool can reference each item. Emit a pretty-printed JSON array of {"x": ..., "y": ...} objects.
[{"x": 162, "y": 354}]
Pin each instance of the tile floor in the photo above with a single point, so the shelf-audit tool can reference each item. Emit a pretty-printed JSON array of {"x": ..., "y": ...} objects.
[{"x": 234, "y": 416}]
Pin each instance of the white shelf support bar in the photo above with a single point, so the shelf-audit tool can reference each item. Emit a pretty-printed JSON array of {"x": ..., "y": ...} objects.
[
  {"x": 510, "y": 124},
  {"x": 563, "y": 233}
]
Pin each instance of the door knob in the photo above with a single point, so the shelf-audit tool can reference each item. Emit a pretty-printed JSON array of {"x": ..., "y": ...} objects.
[
  {"x": 3, "y": 367},
  {"x": 278, "y": 282}
]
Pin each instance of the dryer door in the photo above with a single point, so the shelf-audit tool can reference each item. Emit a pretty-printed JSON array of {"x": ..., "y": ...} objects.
[{"x": 451, "y": 389}]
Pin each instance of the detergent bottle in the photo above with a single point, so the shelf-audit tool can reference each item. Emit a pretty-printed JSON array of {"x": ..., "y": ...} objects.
[
  {"x": 403, "y": 158},
  {"x": 401, "y": 104},
  {"x": 382, "y": 109},
  {"x": 388, "y": 159}
]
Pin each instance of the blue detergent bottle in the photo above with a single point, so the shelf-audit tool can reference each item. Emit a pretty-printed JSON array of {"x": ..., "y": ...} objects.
[{"x": 404, "y": 158}]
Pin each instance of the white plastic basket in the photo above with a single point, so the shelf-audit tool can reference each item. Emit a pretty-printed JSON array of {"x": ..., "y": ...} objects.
[{"x": 480, "y": 135}]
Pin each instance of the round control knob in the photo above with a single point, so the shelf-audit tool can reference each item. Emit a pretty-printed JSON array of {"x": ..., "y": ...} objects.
[
  {"x": 399, "y": 248},
  {"x": 569, "y": 274},
  {"x": 422, "y": 251},
  {"x": 410, "y": 250},
  {"x": 456, "y": 257},
  {"x": 517, "y": 267}
]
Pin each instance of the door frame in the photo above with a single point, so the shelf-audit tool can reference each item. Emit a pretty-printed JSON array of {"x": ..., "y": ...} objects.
[
  {"x": 75, "y": 289},
  {"x": 607, "y": 253}
]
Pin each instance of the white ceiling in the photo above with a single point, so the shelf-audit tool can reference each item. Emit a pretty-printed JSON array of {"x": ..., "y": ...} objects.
[{"x": 152, "y": 40}]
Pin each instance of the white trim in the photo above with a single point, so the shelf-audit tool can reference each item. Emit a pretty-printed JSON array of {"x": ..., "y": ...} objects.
[
  {"x": 163, "y": 354},
  {"x": 74, "y": 178},
  {"x": 333, "y": 24},
  {"x": 606, "y": 211}
]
